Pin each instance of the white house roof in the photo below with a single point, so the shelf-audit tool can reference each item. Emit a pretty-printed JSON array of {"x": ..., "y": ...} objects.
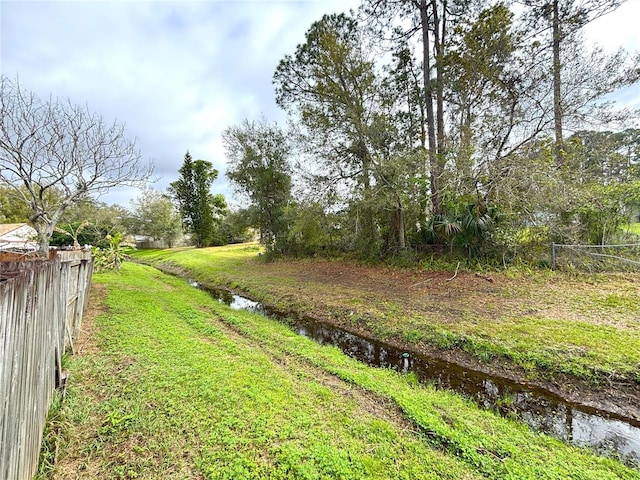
[
  {"x": 17, "y": 236},
  {"x": 6, "y": 228}
]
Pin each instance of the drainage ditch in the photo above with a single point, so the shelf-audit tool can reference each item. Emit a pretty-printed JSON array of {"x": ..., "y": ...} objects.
[{"x": 541, "y": 409}]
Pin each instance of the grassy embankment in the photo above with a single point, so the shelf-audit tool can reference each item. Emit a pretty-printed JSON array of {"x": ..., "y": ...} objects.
[
  {"x": 172, "y": 384},
  {"x": 543, "y": 322}
]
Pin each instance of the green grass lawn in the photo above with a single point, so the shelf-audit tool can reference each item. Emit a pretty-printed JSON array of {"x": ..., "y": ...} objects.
[
  {"x": 545, "y": 323},
  {"x": 171, "y": 384}
]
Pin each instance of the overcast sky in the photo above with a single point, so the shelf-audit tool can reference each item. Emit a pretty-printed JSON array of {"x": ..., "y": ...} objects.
[{"x": 178, "y": 73}]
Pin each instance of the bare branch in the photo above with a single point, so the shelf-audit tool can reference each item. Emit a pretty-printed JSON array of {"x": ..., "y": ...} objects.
[{"x": 54, "y": 153}]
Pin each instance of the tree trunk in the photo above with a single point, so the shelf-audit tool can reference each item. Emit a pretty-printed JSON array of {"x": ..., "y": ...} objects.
[
  {"x": 44, "y": 236},
  {"x": 401, "y": 233},
  {"x": 438, "y": 40},
  {"x": 434, "y": 171},
  {"x": 395, "y": 238},
  {"x": 557, "y": 100}
]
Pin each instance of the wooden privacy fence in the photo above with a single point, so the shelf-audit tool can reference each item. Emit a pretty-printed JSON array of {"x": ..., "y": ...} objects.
[{"x": 41, "y": 307}]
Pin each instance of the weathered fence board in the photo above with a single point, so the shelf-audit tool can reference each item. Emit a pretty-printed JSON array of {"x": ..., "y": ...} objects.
[{"x": 41, "y": 306}]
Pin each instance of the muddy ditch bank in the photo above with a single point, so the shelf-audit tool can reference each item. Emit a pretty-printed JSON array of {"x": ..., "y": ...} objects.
[{"x": 575, "y": 419}]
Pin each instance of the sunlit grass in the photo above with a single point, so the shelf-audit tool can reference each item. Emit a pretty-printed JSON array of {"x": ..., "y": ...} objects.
[
  {"x": 587, "y": 328},
  {"x": 181, "y": 386}
]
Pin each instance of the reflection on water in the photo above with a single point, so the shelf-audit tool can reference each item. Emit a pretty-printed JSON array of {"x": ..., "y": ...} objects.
[
  {"x": 540, "y": 409},
  {"x": 606, "y": 435}
]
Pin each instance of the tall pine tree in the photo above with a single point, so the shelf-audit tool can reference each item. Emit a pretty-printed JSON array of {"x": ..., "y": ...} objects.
[{"x": 195, "y": 202}]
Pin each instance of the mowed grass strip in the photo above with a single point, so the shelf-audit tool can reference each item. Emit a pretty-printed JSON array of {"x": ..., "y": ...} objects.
[
  {"x": 546, "y": 323},
  {"x": 172, "y": 392},
  {"x": 180, "y": 386}
]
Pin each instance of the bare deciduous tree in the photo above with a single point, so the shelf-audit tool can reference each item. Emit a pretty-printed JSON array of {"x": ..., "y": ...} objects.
[{"x": 54, "y": 153}]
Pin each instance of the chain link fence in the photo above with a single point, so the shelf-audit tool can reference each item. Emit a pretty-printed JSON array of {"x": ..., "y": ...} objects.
[{"x": 596, "y": 258}]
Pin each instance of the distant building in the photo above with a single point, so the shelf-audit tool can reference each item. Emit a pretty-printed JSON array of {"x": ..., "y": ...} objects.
[
  {"x": 144, "y": 241},
  {"x": 18, "y": 237}
]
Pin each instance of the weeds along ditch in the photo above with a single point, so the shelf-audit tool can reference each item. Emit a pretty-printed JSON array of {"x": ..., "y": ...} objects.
[{"x": 542, "y": 410}]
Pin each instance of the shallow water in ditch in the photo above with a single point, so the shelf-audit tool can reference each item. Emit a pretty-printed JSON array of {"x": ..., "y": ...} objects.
[{"x": 540, "y": 409}]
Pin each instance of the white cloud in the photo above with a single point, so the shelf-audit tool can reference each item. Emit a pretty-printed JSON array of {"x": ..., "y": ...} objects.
[
  {"x": 619, "y": 28},
  {"x": 178, "y": 72}
]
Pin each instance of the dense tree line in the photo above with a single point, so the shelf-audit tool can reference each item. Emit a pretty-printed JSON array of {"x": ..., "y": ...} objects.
[
  {"x": 153, "y": 215},
  {"x": 414, "y": 126},
  {"x": 440, "y": 125}
]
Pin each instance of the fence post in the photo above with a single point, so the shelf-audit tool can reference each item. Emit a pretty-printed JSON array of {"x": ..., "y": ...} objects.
[{"x": 553, "y": 256}]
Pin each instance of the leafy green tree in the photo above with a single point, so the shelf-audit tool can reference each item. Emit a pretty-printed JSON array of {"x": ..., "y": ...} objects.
[
  {"x": 600, "y": 211},
  {"x": 606, "y": 156},
  {"x": 259, "y": 168},
  {"x": 456, "y": 148},
  {"x": 10, "y": 210},
  {"x": 312, "y": 229},
  {"x": 481, "y": 88},
  {"x": 89, "y": 222},
  {"x": 401, "y": 159},
  {"x": 219, "y": 210},
  {"x": 403, "y": 93},
  {"x": 237, "y": 226},
  {"x": 431, "y": 21},
  {"x": 198, "y": 207},
  {"x": 330, "y": 86},
  {"x": 515, "y": 113},
  {"x": 539, "y": 203},
  {"x": 154, "y": 215}
]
